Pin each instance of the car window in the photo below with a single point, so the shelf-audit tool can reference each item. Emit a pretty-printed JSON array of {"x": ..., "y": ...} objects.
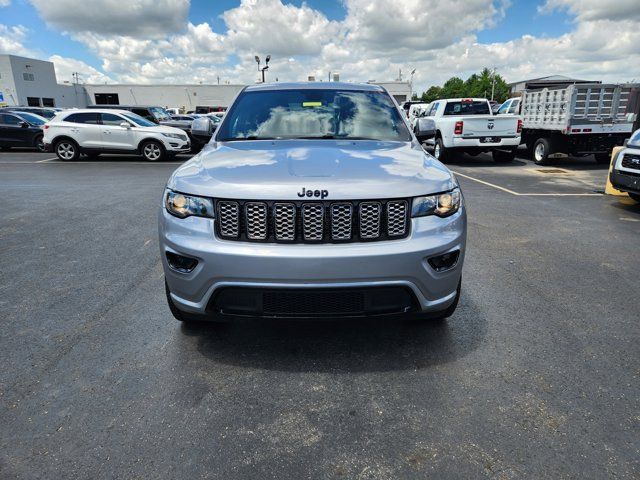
[
  {"x": 138, "y": 120},
  {"x": 514, "y": 106},
  {"x": 32, "y": 119},
  {"x": 504, "y": 107},
  {"x": 314, "y": 113},
  {"x": 10, "y": 119},
  {"x": 160, "y": 114},
  {"x": 467, "y": 107},
  {"x": 85, "y": 117},
  {"x": 433, "y": 110},
  {"x": 111, "y": 119},
  {"x": 144, "y": 113}
]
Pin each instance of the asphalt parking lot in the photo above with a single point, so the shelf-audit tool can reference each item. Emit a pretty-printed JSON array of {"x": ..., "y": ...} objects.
[{"x": 535, "y": 376}]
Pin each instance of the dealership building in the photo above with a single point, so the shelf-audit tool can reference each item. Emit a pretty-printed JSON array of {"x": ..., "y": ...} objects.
[{"x": 27, "y": 81}]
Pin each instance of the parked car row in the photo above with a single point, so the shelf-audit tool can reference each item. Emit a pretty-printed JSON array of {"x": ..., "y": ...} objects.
[{"x": 20, "y": 128}]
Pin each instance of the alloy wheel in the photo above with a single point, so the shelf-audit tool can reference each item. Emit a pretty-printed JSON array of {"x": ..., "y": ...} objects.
[
  {"x": 152, "y": 152},
  {"x": 66, "y": 151}
]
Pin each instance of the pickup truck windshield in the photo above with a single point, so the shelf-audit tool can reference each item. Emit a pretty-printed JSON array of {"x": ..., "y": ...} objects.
[
  {"x": 311, "y": 114},
  {"x": 467, "y": 108}
]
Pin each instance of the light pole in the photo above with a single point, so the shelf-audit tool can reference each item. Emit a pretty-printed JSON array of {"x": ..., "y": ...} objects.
[
  {"x": 411, "y": 84},
  {"x": 266, "y": 65}
]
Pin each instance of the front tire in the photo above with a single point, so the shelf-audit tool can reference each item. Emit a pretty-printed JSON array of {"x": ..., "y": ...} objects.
[
  {"x": 153, "y": 151},
  {"x": 635, "y": 196},
  {"x": 602, "y": 158},
  {"x": 67, "y": 150},
  {"x": 440, "y": 151},
  {"x": 541, "y": 151},
  {"x": 503, "y": 156}
]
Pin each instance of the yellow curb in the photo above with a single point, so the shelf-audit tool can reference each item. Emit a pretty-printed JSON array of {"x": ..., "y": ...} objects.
[{"x": 608, "y": 189}]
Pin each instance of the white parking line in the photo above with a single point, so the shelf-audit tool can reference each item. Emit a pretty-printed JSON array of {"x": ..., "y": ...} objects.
[
  {"x": 528, "y": 194},
  {"x": 47, "y": 160}
]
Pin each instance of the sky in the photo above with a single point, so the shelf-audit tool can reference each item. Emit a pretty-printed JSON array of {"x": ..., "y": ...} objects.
[{"x": 211, "y": 41}]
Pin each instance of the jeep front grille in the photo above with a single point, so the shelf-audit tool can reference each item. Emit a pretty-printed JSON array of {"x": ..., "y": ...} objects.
[{"x": 312, "y": 222}]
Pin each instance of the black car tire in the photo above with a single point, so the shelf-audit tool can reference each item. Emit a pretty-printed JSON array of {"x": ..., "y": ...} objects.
[
  {"x": 153, "y": 151},
  {"x": 635, "y": 196},
  {"x": 503, "y": 156},
  {"x": 441, "y": 150},
  {"x": 38, "y": 143},
  {"x": 602, "y": 158},
  {"x": 67, "y": 150}
]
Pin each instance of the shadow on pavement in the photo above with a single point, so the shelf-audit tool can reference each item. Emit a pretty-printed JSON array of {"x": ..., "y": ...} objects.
[{"x": 340, "y": 346}]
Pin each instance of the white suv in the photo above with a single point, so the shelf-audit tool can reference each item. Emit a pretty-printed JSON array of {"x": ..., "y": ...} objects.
[{"x": 95, "y": 131}]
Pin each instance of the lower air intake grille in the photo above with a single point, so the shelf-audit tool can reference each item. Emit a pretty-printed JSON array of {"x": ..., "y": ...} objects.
[{"x": 312, "y": 222}]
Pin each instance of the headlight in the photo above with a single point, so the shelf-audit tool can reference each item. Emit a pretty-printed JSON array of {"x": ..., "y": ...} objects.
[
  {"x": 442, "y": 204},
  {"x": 173, "y": 135},
  {"x": 183, "y": 206}
]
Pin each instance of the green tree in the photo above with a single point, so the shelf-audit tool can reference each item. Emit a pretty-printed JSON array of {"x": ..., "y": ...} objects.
[
  {"x": 433, "y": 93},
  {"x": 453, "y": 88}
]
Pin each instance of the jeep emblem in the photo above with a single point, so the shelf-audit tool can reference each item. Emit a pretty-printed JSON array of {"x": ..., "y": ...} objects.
[{"x": 313, "y": 193}]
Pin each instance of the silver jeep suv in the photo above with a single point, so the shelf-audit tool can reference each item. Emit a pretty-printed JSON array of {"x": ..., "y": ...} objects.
[{"x": 312, "y": 200}]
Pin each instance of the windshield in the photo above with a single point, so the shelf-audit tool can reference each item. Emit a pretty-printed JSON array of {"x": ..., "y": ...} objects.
[
  {"x": 160, "y": 113},
  {"x": 468, "y": 107},
  {"x": 309, "y": 114},
  {"x": 31, "y": 118},
  {"x": 138, "y": 120}
]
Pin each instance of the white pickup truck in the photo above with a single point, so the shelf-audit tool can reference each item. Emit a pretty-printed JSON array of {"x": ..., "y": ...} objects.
[{"x": 467, "y": 125}]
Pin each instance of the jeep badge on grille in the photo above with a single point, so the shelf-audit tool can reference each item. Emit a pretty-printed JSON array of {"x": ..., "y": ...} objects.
[{"x": 313, "y": 193}]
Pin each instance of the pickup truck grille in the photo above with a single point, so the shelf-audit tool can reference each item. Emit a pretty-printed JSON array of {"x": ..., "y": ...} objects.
[
  {"x": 631, "y": 161},
  {"x": 312, "y": 222}
]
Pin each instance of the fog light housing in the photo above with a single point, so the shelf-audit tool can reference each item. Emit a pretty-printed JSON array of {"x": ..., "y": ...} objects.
[
  {"x": 446, "y": 261},
  {"x": 180, "y": 263}
]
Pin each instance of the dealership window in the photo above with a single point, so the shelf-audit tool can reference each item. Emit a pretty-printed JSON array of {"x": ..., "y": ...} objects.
[
  {"x": 107, "y": 99},
  {"x": 28, "y": 77},
  {"x": 48, "y": 102},
  {"x": 33, "y": 101}
]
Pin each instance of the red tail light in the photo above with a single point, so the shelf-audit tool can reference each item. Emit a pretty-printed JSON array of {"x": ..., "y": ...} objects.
[
  {"x": 519, "y": 129},
  {"x": 457, "y": 130}
]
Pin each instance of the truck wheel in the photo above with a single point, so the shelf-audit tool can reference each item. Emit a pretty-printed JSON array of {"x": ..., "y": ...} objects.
[
  {"x": 440, "y": 151},
  {"x": 635, "y": 196},
  {"x": 152, "y": 151},
  {"x": 503, "y": 156},
  {"x": 541, "y": 151},
  {"x": 67, "y": 150},
  {"x": 602, "y": 158}
]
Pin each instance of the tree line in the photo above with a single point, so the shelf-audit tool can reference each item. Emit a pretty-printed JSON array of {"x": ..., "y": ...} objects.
[{"x": 477, "y": 85}]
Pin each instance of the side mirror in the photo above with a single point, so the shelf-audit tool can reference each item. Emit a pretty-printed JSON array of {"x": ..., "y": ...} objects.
[
  {"x": 202, "y": 129},
  {"x": 425, "y": 129},
  {"x": 125, "y": 125},
  {"x": 24, "y": 125}
]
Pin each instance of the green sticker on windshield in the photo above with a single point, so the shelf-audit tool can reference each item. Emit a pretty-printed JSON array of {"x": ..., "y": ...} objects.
[{"x": 311, "y": 104}]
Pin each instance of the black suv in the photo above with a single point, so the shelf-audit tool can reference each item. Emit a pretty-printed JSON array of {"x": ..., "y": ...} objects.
[{"x": 20, "y": 129}]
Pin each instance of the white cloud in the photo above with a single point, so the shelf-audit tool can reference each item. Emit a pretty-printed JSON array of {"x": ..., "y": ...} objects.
[
  {"x": 153, "y": 18},
  {"x": 156, "y": 43},
  {"x": 5, "y": 3},
  {"x": 12, "y": 40},
  {"x": 66, "y": 67},
  {"x": 270, "y": 26}
]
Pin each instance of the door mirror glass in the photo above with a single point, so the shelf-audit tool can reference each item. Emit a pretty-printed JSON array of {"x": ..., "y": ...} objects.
[
  {"x": 425, "y": 129},
  {"x": 202, "y": 128}
]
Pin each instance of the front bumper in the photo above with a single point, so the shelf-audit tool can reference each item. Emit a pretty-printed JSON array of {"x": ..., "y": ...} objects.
[
  {"x": 625, "y": 181},
  {"x": 177, "y": 146},
  {"x": 395, "y": 263}
]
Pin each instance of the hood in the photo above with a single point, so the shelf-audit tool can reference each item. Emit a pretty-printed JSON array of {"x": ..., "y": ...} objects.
[
  {"x": 281, "y": 169},
  {"x": 165, "y": 129}
]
